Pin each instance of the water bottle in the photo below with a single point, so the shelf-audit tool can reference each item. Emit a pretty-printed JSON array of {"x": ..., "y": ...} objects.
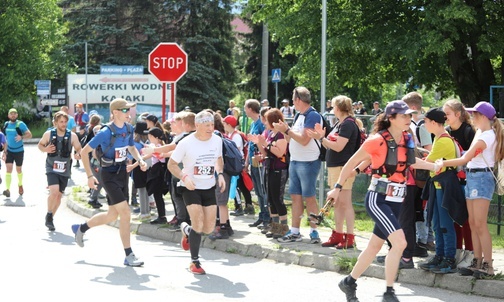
[{"x": 410, "y": 153}]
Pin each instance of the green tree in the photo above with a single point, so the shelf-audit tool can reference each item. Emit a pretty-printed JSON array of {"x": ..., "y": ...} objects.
[
  {"x": 30, "y": 47},
  {"x": 451, "y": 46}
]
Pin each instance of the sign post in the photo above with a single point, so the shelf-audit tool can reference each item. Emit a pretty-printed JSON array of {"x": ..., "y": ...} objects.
[
  {"x": 168, "y": 63},
  {"x": 276, "y": 76}
]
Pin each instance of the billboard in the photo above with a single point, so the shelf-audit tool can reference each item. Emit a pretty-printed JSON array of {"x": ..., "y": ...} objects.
[{"x": 100, "y": 90}]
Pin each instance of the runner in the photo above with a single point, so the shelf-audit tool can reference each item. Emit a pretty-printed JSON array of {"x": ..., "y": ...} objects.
[
  {"x": 114, "y": 176},
  {"x": 15, "y": 131},
  {"x": 385, "y": 194},
  {"x": 201, "y": 156},
  {"x": 57, "y": 143}
]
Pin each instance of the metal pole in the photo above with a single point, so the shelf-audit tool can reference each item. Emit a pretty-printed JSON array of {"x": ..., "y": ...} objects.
[
  {"x": 276, "y": 95},
  {"x": 86, "y": 67},
  {"x": 264, "y": 63},
  {"x": 322, "y": 94},
  {"x": 163, "y": 102}
]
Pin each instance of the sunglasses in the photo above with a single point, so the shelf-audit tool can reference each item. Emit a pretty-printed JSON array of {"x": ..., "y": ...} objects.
[{"x": 124, "y": 110}]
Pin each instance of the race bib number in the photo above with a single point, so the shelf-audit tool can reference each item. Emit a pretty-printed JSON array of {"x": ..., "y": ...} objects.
[
  {"x": 204, "y": 172},
  {"x": 120, "y": 154},
  {"x": 395, "y": 192},
  {"x": 59, "y": 166}
]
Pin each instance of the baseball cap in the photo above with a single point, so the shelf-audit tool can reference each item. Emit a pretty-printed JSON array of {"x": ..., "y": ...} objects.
[
  {"x": 231, "y": 120},
  {"x": 264, "y": 101},
  {"x": 12, "y": 110},
  {"x": 79, "y": 105},
  {"x": 484, "y": 108},
  {"x": 398, "y": 106},
  {"x": 156, "y": 132},
  {"x": 152, "y": 118},
  {"x": 360, "y": 103},
  {"x": 287, "y": 101},
  {"x": 436, "y": 114},
  {"x": 117, "y": 104},
  {"x": 141, "y": 128},
  {"x": 93, "y": 112},
  {"x": 376, "y": 102}
]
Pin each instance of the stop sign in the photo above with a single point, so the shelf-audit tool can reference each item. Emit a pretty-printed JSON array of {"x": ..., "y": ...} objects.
[{"x": 168, "y": 62}]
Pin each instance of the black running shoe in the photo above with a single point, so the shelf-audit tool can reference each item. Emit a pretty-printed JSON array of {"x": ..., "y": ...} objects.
[
  {"x": 349, "y": 290},
  {"x": 390, "y": 297}
]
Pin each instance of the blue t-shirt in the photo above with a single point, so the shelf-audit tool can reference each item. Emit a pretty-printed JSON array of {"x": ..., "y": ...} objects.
[
  {"x": 11, "y": 133},
  {"x": 119, "y": 151},
  {"x": 71, "y": 123},
  {"x": 257, "y": 127},
  {"x": 2, "y": 138}
]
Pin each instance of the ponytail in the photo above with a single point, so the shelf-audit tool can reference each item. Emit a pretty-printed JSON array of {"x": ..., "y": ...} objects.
[{"x": 499, "y": 136}]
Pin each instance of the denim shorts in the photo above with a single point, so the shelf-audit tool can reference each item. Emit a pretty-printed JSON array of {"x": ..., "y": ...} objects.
[
  {"x": 303, "y": 177},
  {"x": 480, "y": 185}
]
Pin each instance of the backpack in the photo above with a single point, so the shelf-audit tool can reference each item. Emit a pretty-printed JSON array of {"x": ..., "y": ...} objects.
[
  {"x": 66, "y": 144},
  {"x": 99, "y": 153},
  {"x": 361, "y": 137},
  {"x": 458, "y": 153},
  {"x": 233, "y": 160},
  {"x": 325, "y": 124},
  {"x": 417, "y": 131},
  {"x": 18, "y": 130},
  {"x": 244, "y": 141}
]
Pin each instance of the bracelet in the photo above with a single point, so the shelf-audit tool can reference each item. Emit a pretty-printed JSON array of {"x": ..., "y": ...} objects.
[
  {"x": 183, "y": 177},
  {"x": 287, "y": 131},
  {"x": 90, "y": 176},
  {"x": 338, "y": 186},
  {"x": 220, "y": 173},
  {"x": 357, "y": 170}
]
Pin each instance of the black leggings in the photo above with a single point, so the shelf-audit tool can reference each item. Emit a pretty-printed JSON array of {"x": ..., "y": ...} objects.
[
  {"x": 160, "y": 204},
  {"x": 276, "y": 180},
  {"x": 244, "y": 191}
]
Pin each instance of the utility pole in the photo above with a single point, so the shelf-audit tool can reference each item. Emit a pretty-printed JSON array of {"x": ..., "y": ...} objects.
[{"x": 264, "y": 63}]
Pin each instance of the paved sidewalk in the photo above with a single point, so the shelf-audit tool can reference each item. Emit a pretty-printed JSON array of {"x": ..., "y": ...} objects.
[{"x": 250, "y": 242}]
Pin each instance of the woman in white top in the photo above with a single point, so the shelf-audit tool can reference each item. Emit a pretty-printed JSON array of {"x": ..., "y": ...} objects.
[{"x": 485, "y": 151}]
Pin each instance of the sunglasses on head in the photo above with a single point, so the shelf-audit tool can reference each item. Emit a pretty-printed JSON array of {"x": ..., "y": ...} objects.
[{"x": 124, "y": 110}]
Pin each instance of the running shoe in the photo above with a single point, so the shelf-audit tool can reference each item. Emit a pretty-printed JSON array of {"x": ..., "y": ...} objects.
[
  {"x": 447, "y": 266},
  {"x": 349, "y": 290},
  {"x": 79, "y": 236},
  {"x": 132, "y": 260},
  {"x": 433, "y": 263},
  {"x": 186, "y": 229},
  {"x": 6, "y": 193},
  {"x": 390, "y": 297},
  {"x": 290, "y": 237},
  {"x": 314, "y": 237},
  {"x": 195, "y": 268}
]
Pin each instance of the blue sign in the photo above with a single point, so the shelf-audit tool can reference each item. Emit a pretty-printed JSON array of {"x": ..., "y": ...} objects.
[
  {"x": 121, "y": 69},
  {"x": 43, "y": 87},
  {"x": 276, "y": 75}
]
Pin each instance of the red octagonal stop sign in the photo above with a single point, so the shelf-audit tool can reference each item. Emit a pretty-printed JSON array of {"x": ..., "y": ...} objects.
[{"x": 168, "y": 62}]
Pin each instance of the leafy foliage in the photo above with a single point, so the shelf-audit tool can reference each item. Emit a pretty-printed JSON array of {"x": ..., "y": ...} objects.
[
  {"x": 30, "y": 47},
  {"x": 444, "y": 45}
]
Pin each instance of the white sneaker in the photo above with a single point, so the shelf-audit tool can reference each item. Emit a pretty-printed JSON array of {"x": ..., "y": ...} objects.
[
  {"x": 132, "y": 260},
  {"x": 459, "y": 256},
  {"x": 468, "y": 258}
]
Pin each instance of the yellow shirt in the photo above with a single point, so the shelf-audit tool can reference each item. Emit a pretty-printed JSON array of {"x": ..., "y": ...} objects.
[{"x": 442, "y": 147}]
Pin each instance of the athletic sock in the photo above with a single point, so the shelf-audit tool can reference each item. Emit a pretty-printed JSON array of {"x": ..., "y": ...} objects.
[
  {"x": 20, "y": 179},
  {"x": 8, "y": 180},
  {"x": 283, "y": 221},
  {"x": 84, "y": 227},
  {"x": 194, "y": 244},
  {"x": 128, "y": 251},
  {"x": 390, "y": 289},
  {"x": 294, "y": 230},
  {"x": 275, "y": 219}
]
